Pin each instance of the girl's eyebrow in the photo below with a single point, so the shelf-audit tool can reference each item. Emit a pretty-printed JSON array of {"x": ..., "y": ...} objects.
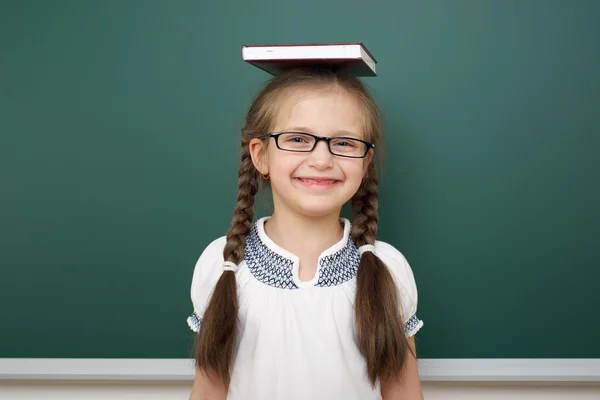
[
  {"x": 298, "y": 129},
  {"x": 335, "y": 134}
]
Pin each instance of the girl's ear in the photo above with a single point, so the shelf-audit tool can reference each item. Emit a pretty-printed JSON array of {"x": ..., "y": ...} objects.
[{"x": 258, "y": 153}]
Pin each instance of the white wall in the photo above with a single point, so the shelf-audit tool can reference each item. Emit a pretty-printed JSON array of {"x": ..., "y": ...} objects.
[{"x": 56, "y": 390}]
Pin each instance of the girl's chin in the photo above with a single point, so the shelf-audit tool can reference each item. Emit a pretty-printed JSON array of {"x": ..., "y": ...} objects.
[{"x": 319, "y": 209}]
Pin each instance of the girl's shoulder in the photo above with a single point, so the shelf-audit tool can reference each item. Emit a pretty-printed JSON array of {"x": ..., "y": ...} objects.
[
  {"x": 396, "y": 262},
  {"x": 209, "y": 264},
  {"x": 207, "y": 270},
  {"x": 404, "y": 278},
  {"x": 209, "y": 267},
  {"x": 214, "y": 250}
]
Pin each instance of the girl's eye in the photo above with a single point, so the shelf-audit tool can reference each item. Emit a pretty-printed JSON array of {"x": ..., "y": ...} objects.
[
  {"x": 295, "y": 138},
  {"x": 345, "y": 143}
]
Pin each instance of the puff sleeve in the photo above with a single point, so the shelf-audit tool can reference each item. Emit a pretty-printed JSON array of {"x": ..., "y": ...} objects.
[
  {"x": 207, "y": 271},
  {"x": 405, "y": 281}
]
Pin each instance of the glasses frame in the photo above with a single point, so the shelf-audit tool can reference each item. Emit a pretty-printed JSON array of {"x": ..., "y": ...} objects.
[{"x": 275, "y": 135}]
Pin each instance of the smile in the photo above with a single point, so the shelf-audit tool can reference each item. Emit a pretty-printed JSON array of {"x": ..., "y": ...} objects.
[{"x": 318, "y": 183}]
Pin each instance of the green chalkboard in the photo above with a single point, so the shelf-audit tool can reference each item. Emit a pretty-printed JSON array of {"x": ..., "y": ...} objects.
[{"x": 119, "y": 148}]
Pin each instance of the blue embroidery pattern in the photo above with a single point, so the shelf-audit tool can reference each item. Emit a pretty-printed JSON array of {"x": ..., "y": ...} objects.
[
  {"x": 266, "y": 265},
  {"x": 277, "y": 271},
  {"x": 340, "y": 266},
  {"x": 194, "y": 322},
  {"x": 412, "y": 323}
]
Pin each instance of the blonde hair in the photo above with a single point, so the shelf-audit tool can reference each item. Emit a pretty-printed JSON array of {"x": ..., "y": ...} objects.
[{"x": 380, "y": 331}]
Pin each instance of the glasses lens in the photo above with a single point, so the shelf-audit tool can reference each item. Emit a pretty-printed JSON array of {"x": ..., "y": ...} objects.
[
  {"x": 296, "y": 142},
  {"x": 348, "y": 147}
]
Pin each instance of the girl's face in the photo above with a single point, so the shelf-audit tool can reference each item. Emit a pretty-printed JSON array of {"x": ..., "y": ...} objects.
[{"x": 318, "y": 183}]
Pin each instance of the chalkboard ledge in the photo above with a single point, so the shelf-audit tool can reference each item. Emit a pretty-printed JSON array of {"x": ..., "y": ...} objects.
[{"x": 431, "y": 370}]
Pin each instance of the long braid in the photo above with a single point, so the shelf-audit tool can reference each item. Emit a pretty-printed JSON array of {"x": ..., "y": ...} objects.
[
  {"x": 364, "y": 209},
  {"x": 217, "y": 334},
  {"x": 380, "y": 331},
  {"x": 243, "y": 214}
]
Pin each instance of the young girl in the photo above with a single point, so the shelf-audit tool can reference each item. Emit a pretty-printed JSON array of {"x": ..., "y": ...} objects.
[{"x": 305, "y": 304}]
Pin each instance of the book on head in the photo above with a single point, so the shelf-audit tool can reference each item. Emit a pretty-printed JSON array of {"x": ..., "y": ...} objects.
[{"x": 352, "y": 57}]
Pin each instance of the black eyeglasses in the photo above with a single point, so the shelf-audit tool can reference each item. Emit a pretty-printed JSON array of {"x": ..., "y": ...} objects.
[{"x": 302, "y": 142}]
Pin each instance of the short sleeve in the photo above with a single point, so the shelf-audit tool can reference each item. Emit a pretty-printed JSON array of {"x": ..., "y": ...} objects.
[
  {"x": 405, "y": 281},
  {"x": 207, "y": 271}
]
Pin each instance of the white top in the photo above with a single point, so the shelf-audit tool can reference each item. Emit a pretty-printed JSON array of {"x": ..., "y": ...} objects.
[{"x": 296, "y": 339}]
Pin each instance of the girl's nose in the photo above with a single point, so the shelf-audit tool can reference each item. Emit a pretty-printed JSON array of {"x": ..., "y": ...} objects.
[{"x": 320, "y": 157}]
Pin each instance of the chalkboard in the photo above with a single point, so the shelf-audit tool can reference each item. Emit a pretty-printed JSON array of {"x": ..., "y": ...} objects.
[{"x": 119, "y": 129}]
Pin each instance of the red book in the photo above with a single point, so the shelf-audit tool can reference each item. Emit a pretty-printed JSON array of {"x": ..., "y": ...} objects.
[{"x": 352, "y": 57}]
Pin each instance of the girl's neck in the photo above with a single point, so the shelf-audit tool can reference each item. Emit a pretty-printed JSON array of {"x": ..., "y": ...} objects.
[{"x": 302, "y": 235}]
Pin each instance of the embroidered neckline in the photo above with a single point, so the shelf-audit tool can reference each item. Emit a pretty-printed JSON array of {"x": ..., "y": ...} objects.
[{"x": 275, "y": 266}]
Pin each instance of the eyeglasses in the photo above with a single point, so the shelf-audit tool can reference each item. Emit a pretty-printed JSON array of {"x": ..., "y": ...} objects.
[{"x": 301, "y": 142}]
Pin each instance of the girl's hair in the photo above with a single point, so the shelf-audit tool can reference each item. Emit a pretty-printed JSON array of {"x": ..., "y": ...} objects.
[{"x": 379, "y": 329}]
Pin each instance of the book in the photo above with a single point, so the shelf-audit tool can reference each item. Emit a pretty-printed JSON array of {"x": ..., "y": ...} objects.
[{"x": 352, "y": 57}]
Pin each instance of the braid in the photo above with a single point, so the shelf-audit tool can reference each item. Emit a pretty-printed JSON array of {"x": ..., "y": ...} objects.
[
  {"x": 243, "y": 214},
  {"x": 364, "y": 209},
  {"x": 217, "y": 334},
  {"x": 380, "y": 330}
]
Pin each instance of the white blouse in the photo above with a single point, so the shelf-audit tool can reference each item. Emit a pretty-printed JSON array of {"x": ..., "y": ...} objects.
[{"x": 296, "y": 338}]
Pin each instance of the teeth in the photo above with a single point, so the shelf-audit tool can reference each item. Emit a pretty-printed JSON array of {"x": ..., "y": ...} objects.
[{"x": 320, "y": 181}]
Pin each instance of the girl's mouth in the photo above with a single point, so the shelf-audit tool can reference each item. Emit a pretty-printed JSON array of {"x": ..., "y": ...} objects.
[{"x": 318, "y": 183}]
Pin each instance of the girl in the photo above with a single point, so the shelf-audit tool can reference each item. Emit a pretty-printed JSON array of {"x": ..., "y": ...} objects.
[{"x": 305, "y": 304}]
